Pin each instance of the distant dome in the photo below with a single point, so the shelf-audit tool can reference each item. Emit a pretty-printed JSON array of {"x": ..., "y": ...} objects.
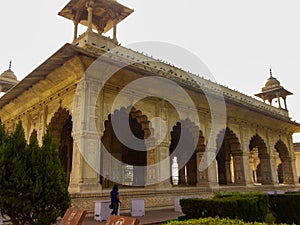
[
  {"x": 9, "y": 74},
  {"x": 8, "y": 79}
]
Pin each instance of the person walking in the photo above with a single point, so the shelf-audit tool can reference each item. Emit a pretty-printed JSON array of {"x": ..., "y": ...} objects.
[{"x": 115, "y": 200}]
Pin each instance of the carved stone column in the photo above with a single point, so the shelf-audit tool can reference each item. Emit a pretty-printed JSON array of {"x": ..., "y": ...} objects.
[
  {"x": 245, "y": 155},
  {"x": 287, "y": 171},
  {"x": 228, "y": 171},
  {"x": 202, "y": 175},
  {"x": 86, "y": 150},
  {"x": 89, "y": 6},
  {"x": 272, "y": 160},
  {"x": 75, "y": 30},
  {"x": 293, "y": 158},
  {"x": 115, "y": 32},
  {"x": 158, "y": 154},
  {"x": 273, "y": 170},
  {"x": 158, "y": 168},
  {"x": 207, "y": 175},
  {"x": 241, "y": 163},
  {"x": 238, "y": 170},
  {"x": 266, "y": 171}
]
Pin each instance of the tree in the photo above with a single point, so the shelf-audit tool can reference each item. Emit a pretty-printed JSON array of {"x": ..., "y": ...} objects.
[
  {"x": 33, "y": 186},
  {"x": 11, "y": 174},
  {"x": 54, "y": 183}
]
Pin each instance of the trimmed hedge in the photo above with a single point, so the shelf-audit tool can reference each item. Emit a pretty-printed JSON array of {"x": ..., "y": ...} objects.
[
  {"x": 286, "y": 208},
  {"x": 247, "y": 207},
  {"x": 214, "y": 221},
  {"x": 252, "y": 206}
]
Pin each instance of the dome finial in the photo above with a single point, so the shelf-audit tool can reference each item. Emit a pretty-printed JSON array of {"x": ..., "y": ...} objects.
[
  {"x": 9, "y": 64},
  {"x": 271, "y": 73}
]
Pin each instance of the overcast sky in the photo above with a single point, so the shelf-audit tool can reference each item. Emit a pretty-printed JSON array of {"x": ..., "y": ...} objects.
[{"x": 238, "y": 40}]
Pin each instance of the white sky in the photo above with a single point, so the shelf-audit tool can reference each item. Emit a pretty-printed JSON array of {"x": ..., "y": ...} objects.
[{"x": 238, "y": 40}]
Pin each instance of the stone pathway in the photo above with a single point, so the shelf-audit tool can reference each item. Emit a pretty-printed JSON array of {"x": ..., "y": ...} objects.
[{"x": 151, "y": 217}]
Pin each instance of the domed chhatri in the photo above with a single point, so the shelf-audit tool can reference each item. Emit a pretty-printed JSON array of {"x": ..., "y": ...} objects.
[
  {"x": 271, "y": 83},
  {"x": 273, "y": 89},
  {"x": 8, "y": 79},
  {"x": 100, "y": 15}
]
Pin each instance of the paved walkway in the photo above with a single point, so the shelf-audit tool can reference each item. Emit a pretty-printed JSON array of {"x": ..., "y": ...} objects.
[{"x": 151, "y": 217}]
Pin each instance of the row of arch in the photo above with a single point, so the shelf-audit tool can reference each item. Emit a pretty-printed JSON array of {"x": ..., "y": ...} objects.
[{"x": 229, "y": 158}]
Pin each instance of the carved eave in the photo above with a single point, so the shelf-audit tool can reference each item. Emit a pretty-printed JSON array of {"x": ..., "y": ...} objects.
[
  {"x": 105, "y": 13},
  {"x": 40, "y": 73},
  {"x": 273, "y": 93}
]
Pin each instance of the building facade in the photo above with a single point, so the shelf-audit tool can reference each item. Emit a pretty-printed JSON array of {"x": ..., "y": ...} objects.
[{"x": 118, "y": 116}]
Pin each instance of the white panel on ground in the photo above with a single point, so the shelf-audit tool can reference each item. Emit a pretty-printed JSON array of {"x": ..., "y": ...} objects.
[
  {"x": 101, "y": 210},
  {"x": 137, "y": 207}
]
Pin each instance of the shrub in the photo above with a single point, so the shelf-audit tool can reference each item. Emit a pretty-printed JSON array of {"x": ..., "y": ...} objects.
[
  {"x": 247, "y": 207},
  {"x": 286, "y": 208},
  {"x": 252, "y": 206},
  {"x": 214, "y": 221}
]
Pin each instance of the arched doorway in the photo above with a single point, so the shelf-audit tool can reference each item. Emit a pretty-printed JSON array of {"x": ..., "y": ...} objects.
[
  {"x": 284, "y": 165},
  {"x": 184, "y": 165},
  {"x": 229, "y": 158},
  {"x": 259, "y": 161},
  {"x": 61, "y": 130},
  {"x": 131, "y": 172}
]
